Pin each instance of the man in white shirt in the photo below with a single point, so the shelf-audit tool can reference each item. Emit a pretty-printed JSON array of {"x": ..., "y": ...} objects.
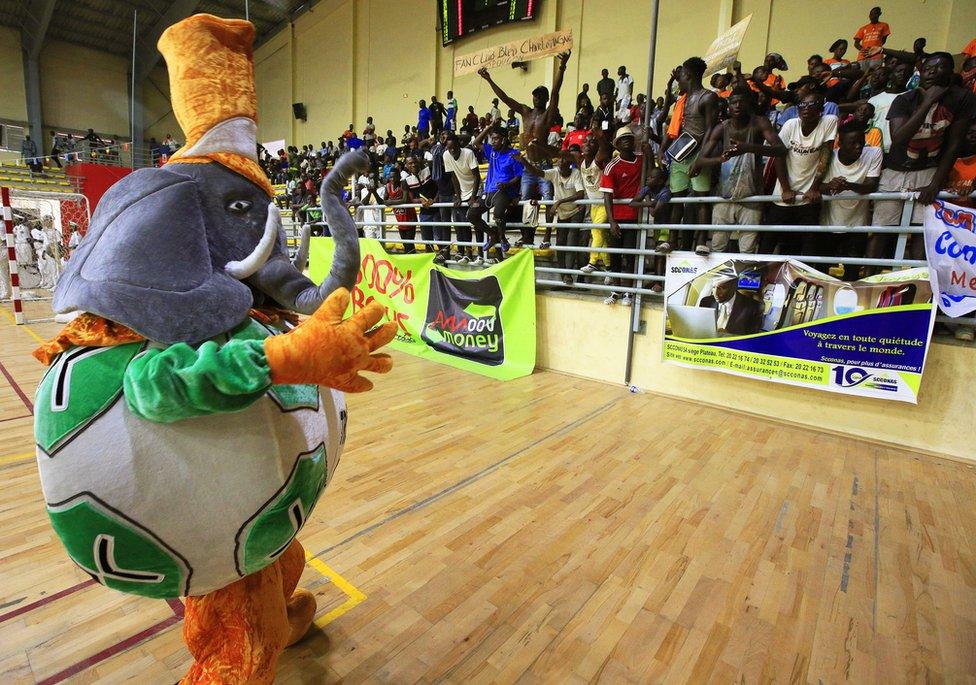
[
  {"x": 900, "y": 74},
  {"x": 809, "y": 141},
  {"x": 372, "y": 193},
  {"x": 625, "y": 88},
  {"x": 855, "y": 169},
  {"x": 494, "y": 114},
  {"x": 567, "y": 183},
  {"x": 462, "y": 165}
]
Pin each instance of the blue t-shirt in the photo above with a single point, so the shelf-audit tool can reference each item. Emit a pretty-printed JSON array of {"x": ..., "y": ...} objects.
[
  {"x": 354, "y": 143},
  {"x": 423, "y": 119},
  {"x": 502, "y": 167}
]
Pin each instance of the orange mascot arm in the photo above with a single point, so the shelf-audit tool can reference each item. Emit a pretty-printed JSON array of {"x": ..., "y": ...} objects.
[{"x": 325, "y": 350}]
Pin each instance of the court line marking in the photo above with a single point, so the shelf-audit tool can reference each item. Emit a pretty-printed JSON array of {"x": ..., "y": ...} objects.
[
  {"x": 468, "y": 480},
  {"x": 119, "y": 647},
  {"x": 354, "y": 596},
  {"x": 24, "y": 326},
  {"x": 17, "y": 389},
  {"x": 45, "y": 600},
  {"x": 17, "y": 458}
]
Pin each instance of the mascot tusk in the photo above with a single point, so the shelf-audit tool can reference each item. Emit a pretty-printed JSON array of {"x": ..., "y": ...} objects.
[{"x": 249, "y": 265}]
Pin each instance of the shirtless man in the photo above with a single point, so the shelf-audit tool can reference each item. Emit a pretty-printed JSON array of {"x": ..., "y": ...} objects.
[
  {"x": 536, "y": 122},
  {"x": 698, "y": 118}
]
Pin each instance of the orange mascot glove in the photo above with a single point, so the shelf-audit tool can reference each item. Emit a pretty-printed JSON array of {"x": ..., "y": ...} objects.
[{"x": 325, "y": 350}]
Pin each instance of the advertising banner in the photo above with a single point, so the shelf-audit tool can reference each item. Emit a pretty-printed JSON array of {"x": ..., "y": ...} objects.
[
  {"x": 950, "y": 245},
  {"x": 724, "y": 50},
  {"x": 781, "y": 320},
  {"x": 515, "y": 51},
  {"x": 481, "y": 321}
]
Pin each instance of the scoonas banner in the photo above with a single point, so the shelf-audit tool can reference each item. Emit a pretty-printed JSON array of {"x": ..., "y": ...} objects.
[{"x": 783, "y": 321}]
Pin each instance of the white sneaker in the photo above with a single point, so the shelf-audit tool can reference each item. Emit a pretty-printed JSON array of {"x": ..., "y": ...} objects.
[
  {"x": 611, "y": 298},
  {"x": 702, "y": 250},
  {"x": 664, "y": 248},
  {"x": 588, "y": 269},
  {"x": 626, "y": 301},
  {"x": 477, "y": 261},
  {"x": 490, "y": 260},
  {"x": 607, "y": 281},
  {"x": 463, "y": 260}
]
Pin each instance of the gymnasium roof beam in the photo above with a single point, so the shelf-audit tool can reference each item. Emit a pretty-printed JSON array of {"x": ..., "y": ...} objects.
[
  {"x": 35, "y": 27},
  {"x": 148, "y": 56}
]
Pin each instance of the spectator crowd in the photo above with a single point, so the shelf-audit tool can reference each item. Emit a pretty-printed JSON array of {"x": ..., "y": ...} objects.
[{"x": 878, "y": 120}]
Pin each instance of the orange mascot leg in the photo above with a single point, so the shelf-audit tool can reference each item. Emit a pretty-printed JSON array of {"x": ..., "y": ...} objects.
[{"x": 237, "y": 633}]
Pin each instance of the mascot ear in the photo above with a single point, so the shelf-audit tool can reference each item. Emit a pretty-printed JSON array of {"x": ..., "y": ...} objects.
[{"x": 146, "y": 263}]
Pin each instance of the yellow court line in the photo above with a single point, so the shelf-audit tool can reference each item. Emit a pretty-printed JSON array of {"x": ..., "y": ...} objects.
[
  {"x": 30, "y": 331},
  {"x": 14, "y": 458},
  {"x": 354, "y": 596}
]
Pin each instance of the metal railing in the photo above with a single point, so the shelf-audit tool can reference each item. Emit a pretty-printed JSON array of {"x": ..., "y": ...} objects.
[
  {"x": 641, "y": 282},
  {"x": 121, "y": 154}
]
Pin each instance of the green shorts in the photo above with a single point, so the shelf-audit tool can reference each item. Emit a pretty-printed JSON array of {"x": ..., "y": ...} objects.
[{"x": 680, "y": 180}]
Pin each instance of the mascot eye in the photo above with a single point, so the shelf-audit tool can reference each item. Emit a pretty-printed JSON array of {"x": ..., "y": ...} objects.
[{"x": 238, "y": 206}]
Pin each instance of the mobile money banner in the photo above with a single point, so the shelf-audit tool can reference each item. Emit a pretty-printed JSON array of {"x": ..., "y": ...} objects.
[
  {"x": 515, "y": 51},
  {"x": 950, "y": 245},
  {"x": 783, "y": 321},
  {"x": 481, "y": 321}
]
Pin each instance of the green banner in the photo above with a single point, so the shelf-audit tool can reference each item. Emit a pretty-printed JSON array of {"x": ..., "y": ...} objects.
[{"x": 481, "y": 321}]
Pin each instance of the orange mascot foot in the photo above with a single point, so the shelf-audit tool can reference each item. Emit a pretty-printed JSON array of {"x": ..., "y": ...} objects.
[{"x": 301, "y": 612}]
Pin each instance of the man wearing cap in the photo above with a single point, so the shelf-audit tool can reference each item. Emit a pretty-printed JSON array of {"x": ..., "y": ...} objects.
[{"x": 621, "y": 181}]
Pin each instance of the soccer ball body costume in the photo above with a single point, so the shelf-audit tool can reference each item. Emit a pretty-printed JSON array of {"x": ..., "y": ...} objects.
[
  {"x": 188, "y": 423},
  {"x": 110, "y": 477}
]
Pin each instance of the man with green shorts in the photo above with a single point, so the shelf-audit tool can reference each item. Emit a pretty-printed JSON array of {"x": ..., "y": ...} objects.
[{"x": 699, "y": 114}]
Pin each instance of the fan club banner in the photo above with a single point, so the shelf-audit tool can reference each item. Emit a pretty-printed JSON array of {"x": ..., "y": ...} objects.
[
  {"x": 783, "y": 321},
  {"x": 950, "y": 245},
  {"x": 481, "y": 321},
  {"x": 515, "y": 51}
]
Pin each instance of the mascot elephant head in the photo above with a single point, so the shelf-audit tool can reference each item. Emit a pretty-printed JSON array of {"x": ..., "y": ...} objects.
[{"x": 181, "y": 253}]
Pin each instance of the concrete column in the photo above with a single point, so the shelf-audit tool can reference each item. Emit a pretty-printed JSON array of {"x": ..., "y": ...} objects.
[
  {"x": 32, "y": 88},
  {"x": 140, "y": 156}
]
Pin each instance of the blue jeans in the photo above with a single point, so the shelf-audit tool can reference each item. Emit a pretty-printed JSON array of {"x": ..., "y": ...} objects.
[
  {"x": 427, "y": 231},
  {"x": 444, "y": 214},
  {"x": 531, "y": 183}
]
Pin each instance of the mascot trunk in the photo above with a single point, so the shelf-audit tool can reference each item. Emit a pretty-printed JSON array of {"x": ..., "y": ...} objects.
[{"x": 187, "y": 423}]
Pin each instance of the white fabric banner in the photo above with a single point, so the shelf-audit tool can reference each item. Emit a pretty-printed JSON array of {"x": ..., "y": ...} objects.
[{"x": 950, "y": 245}]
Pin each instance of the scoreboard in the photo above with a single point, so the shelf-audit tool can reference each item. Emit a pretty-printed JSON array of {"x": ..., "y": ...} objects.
[{"x": 459, "y": 18}]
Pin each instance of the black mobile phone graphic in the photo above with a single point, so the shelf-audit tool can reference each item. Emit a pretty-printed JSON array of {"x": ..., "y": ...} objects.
[{"x": 464, "y": 318}]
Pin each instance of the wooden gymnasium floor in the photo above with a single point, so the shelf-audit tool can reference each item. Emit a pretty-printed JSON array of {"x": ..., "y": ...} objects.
[{"x": 552, "y": 530}]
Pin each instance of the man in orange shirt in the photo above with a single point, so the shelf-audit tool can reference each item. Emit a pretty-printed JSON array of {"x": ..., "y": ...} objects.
[
  {"x": 970, "y": 50},
  {"x": 870, "y": 38}
]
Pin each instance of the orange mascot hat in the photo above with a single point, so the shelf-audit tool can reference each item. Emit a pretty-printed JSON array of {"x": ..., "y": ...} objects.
[{"x": 211, "y": 77}]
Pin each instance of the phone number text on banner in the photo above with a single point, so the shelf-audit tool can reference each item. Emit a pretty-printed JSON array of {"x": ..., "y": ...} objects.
[
  {"x": 481, "y": 321},
  {"x": 783, "y": 321}
]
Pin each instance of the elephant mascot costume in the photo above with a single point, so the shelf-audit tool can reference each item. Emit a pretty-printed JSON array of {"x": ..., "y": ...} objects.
[{"x": 188, "y": 423}]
